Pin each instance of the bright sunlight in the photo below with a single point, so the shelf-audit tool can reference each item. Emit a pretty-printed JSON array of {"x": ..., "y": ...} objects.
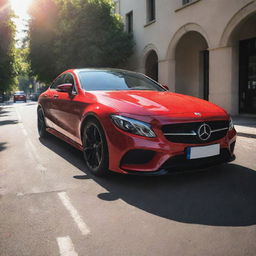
[{"x": 20, "y": 8}]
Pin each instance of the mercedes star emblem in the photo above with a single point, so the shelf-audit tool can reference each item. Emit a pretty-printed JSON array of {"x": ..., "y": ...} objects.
[{"x": 204, "y": 132}]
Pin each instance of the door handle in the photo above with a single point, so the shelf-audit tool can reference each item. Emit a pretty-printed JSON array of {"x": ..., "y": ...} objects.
[{"x": 55, "y": 96}]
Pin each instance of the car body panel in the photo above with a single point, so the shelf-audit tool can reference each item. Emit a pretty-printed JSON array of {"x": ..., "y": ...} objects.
[{"x": 155, "y": 103}]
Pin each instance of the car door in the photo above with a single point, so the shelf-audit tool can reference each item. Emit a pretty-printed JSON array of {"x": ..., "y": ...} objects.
[
  {"x": 67, "y": 109},
  {"x": 48, "y": 104}
]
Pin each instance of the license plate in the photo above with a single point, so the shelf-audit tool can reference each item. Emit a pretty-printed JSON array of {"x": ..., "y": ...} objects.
[{"x": 202, "y": 152}]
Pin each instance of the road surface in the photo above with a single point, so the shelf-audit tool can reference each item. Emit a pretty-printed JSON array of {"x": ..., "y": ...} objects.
[{"x": 51, "y": 205}]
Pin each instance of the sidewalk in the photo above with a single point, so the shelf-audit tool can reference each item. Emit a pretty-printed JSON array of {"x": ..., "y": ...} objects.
[{"x": 245, "y": 126}]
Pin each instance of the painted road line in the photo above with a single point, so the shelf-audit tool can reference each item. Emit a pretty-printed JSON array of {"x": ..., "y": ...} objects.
[
  {"x": 74, "y": 213},
  {"x": 32, "y": 149},
  {"x": 66, "y": 246},
  {"x": 23, "y": 129},
  {"x": 17, "y": 112}
]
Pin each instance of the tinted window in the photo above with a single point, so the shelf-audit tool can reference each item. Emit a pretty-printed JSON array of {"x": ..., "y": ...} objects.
[
  {"x": 57, "y": 82},
  {"x": 19, "y": 93},
  {"x": 115, "y": 81},
  {"x": 69, "y": 79},
  {"x": 129, "y": 22},
  {"x": 151, "y": 10}
]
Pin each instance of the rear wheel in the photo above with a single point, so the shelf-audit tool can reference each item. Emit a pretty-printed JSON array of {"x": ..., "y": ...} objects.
[
  {"x": 95, "y": 148},
  {"x": 41, "y": 126}
]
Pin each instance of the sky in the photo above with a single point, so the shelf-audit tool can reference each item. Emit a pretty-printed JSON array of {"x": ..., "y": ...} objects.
[{"x": 20, "y": 8}]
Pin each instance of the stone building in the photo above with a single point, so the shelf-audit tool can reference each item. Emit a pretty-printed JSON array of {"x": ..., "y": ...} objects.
[{"x": 203, "y": 48}]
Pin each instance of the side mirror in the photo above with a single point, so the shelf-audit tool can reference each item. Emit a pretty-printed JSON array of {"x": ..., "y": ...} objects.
[
  {"x": 65, "y": 88},
  {"x": 165, "y": 87}
]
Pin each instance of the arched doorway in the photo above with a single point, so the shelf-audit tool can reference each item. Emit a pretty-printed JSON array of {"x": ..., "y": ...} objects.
[
  {"x": 151, "y": 65},
  {"x": 243, "y": 39},
  {"x": 240, "y": 36},
  {"x": 192, "y": 65}
]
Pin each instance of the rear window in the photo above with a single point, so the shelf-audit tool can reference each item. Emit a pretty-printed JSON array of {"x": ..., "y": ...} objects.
[{"x": 116, "y": 81}]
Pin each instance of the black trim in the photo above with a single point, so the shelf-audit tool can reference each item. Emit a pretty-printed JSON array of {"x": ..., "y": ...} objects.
[
  {"x": 137, "y": 156},
  {"x": 179, "y": 164}
]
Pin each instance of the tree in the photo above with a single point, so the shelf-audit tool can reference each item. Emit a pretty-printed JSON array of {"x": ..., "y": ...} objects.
[
  {"x": 8, "y": 67},
  {"x": 24, "y": 78},
  {"x": 95, "y": 37},
  {"x": 76, "y": 34},
  {"x": 42, "y": 39}
]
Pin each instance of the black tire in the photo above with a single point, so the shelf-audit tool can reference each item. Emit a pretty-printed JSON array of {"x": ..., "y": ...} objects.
[
  {"x": 41, "y": 126},
  {"x": 95, "y": 148}
]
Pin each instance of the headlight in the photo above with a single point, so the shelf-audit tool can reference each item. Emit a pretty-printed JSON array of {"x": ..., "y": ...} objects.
[
  {"x": 133, "y": 126},
  {"x": 231, "y": 124}
]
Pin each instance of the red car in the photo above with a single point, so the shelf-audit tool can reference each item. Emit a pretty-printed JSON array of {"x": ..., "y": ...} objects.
[
  {"x": 19, "y": 95},
  {"x": 125, "y": 122}
]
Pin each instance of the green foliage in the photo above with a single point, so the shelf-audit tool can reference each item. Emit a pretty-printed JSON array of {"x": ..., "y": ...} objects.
[
  {"x": 42, "y": 39},
  {"x": 8, "y": 68},
  {"x": 25, "y": 80},
  {"x": 76, "y": 34},
  {"x": 22, "y": 63}
]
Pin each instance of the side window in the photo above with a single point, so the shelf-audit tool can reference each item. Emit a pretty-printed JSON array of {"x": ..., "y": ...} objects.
[
  {"x": 184, "y": 2},
  {"x": 151, "y": 10},
  {"x": 69, "y": 79},
  {"x": 57, "y": 82},
  {"x": 129, "y": 22}
]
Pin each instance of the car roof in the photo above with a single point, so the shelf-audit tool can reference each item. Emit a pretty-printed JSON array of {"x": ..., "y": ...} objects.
[{"x": 101, "y": 69}]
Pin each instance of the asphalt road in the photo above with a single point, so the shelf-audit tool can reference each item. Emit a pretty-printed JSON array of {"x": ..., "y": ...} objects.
[{"x": 51, "y": 205}]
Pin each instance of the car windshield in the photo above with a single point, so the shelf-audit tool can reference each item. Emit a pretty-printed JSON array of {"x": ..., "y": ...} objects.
[
  {"x": 19, "y": 93},
  {"x": 116, "y": 81}
]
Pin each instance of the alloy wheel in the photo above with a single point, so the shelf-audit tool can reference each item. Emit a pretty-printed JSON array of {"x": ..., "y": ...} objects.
[{"x": 93, "y": 146}]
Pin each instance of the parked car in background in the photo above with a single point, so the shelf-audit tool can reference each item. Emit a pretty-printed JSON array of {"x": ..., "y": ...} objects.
[
  {"x": 19, "y": 96},
  {"x": 34, "y": 96},
  {"x": 125, "y": 122}
]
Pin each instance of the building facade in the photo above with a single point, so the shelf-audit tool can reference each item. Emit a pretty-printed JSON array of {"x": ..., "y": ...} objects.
[{"x": 203, "y": 48}]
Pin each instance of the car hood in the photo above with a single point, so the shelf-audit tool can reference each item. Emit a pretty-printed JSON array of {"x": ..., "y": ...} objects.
[{"x": 157, "y": 103}]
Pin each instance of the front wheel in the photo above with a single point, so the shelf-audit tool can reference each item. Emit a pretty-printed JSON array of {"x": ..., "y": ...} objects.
[
  {"x": 41, "y": 126},
  {"x": 95, "y": 148}
]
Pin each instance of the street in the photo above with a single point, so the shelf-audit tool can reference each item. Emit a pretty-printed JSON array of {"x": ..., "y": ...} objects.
[{"x": 51, "y": 205}]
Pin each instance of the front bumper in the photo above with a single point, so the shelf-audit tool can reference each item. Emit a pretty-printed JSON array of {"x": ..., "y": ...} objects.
[
  {"x": 157, "y": 156},
  {"x": 179, "y": 164}
]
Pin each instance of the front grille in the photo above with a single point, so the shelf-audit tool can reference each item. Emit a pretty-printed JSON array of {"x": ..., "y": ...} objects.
[{"x": 192, "y": 128}]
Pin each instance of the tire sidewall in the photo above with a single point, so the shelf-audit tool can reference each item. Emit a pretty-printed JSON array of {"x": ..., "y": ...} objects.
[
  {"x": 102, "y": 169},
  {"x": 42, "y": 132}
]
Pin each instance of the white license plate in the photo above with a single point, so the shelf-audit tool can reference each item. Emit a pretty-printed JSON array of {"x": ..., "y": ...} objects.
[{"x": 202, "y": 152}]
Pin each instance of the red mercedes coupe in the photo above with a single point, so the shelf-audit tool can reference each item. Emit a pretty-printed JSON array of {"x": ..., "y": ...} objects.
[{"x": 127, "y": 123}]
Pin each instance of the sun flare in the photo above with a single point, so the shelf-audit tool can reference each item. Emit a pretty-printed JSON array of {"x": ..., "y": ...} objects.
[{"x": 20, "y": 7}]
